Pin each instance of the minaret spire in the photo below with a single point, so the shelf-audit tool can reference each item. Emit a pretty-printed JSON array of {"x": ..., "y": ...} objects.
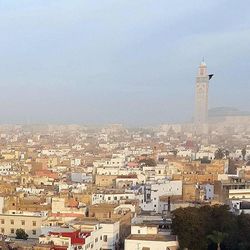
[{"x": 201, "y": 96}]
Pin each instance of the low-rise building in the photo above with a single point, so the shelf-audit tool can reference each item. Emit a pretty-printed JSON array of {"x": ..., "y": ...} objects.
[{"x": 30, "y": 222}]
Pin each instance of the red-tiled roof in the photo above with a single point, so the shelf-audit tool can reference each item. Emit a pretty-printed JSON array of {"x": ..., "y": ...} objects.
[{"x": 77, "y": 237}]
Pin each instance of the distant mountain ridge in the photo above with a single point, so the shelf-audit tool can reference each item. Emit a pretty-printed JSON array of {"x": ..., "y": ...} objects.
[{"x": 226, "y": 111}]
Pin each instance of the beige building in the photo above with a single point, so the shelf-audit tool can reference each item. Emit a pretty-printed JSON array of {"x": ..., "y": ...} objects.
[
  {"x": 105, "y": 180},
  {"x": 115, "y": 213},
  {"x": 9, "y": 223}
]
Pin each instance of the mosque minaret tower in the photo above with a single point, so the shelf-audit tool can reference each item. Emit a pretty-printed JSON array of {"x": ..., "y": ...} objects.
[{"x": 201, "y": 96}]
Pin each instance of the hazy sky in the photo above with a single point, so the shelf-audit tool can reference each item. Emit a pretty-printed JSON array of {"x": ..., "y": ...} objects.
[{"x": 126, "y": 61}]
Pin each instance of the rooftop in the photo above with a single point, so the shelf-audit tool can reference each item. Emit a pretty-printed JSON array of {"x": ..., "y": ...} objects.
[{"x": 152, "y": 237}]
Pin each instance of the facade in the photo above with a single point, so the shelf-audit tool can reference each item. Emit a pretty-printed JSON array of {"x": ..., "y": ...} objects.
[
  {"x": 151, "y": 242},
  {"x": 5, "y": 168},
  {"x": 110, "y": 197},
  {"x": 110, "y": 235},
  {"x": 30, "y": 223},
  {"x": 148, "y": 237},
  {"x": 239, "y": 194},
  {"x": 151, "y": 197},
  {"x": 74, "y": 239}
]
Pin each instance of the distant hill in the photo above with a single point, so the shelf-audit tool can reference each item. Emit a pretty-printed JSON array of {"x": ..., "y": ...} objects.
[{"x": 226, "y": 111}]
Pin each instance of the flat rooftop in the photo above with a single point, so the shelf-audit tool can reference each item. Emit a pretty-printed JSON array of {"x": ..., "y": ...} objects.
[{"x": 152, "y": 237}]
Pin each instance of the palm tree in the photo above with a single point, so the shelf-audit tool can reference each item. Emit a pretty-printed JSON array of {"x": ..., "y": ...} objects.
[
  {"x": 244, "y": 152},
  {"x": 227, "y": 153},
  {"x": 219, "y": 154},
  {"x": 217, "y": 238}
]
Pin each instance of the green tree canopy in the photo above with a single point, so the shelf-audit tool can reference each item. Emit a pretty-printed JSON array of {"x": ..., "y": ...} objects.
[
  {"x": 219, "y": 154},
  {"x": 148, "y": 162},
  {"x": 21, "y": 234},
  {"x": 195, "y": 228}
]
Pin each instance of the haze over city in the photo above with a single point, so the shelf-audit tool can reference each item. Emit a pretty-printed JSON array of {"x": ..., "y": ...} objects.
[
  {"x": 124, "y": 125},
  {"x": 131, "y": 62}
]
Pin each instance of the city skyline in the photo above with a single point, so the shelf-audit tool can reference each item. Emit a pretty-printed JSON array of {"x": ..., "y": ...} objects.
[
  {"x": 124, "y": 125},
  {"x": 136, "y": 65}
]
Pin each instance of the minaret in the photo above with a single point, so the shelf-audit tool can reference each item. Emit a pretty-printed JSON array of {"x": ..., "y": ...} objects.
[{"x": 201, "y": 96}]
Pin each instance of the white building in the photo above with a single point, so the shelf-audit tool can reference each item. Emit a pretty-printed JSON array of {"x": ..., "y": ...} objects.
[
  {"x": 5, "y": 169},
  {"x": 239, "y": 194},
  {"x": 149, "y": 238},
  {"x": 208, "y": 191},
  {"x": 150, "y": 201},
  {"x": 110, "y": 197},
  {"x": 80, "y": 236},
  {"x": 110, "y": 234}
]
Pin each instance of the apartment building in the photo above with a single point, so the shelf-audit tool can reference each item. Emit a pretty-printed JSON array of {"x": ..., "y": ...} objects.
[
  {"x": 29, "y": 222},
  {"x": 149, "y": 238}
]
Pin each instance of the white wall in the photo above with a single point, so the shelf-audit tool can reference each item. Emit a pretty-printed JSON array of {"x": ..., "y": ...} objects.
[
  {"x": 111, "y": 230},
  {"x": 168, "y": 188},
  {"x": 152, "y": 245}
]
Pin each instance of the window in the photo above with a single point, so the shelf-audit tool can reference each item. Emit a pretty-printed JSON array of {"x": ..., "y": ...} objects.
[
  {"x": 12, "y": 222},
  {"x": 2, "y": 230},
  {"x": 23, "y": 222},
  {"x": 96, "y": 240},
  {"x": 34, "y": 223},
  {"x": 2, "y": 221},
  {"x": 34, "y": 232},
  {"x": 115, "y": 198},
  {"x": 12, "y": 230},
  {"x": 139, "y": 231},
  {"x": 109, "y": 198},
  {"x": 105, "y": 238}
]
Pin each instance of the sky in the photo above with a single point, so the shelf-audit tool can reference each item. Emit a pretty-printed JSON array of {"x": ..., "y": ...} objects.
[{"x": 120, "y": 61}]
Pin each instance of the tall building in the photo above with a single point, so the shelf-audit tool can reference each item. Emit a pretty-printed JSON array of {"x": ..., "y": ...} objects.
[{"x": 201, "y": 96}]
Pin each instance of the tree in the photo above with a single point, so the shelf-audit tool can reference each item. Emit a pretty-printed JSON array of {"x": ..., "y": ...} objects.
[
  {"x": 227, "y": 153},
  {"x": 188, "y": 225},
  {"x": 244, "y": 231},
  {"x": 148, "y": 162},
  {"x": 243, "y": 152},
  {"x": 175, "y": 152},
  {"x": 219, "y": 154},
  {"x": 194, "y": 225},
  {"x": 217, "y": 238},
  {"x": 21, "y": 234}
]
